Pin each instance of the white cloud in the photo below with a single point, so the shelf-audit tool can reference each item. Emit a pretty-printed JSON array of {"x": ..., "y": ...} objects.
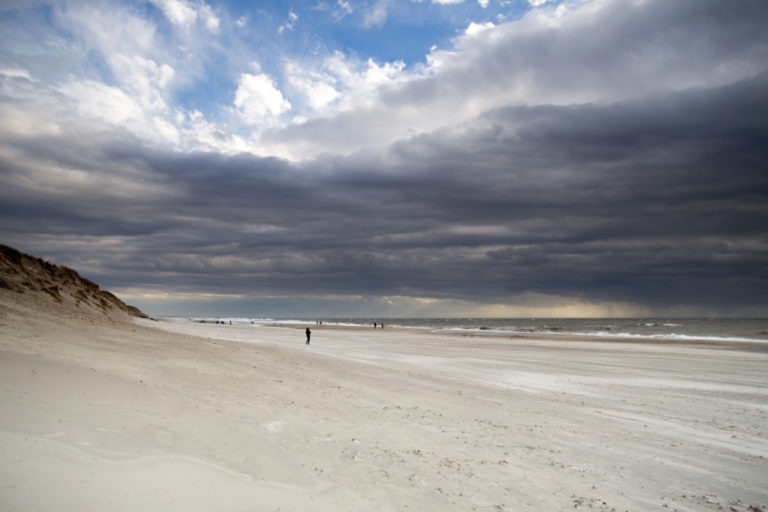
[
  {"x": 290, "y": 22},
  {"x": 166, "y": 130},
  {"x": 483, "y": 3},
  {"x": 317, "y": 88},
  {"x": 376, "y": 74},
  {"x": 94, "y": 99},
  {"x": 201, "y": 134},
  {"x": 118, "y": 108},
  {"x": 17, "y": 82},
  {"x": 15, "y": 73},
  {"x": 185, "y": 14},
  {"x": 141, "y": 69},
  {"x": 109, "y": 31},
  {"x": 178, "y": 12},
  {"x": 212, "y": 22},
  {"x": 359, "y": 81},
  {"x": 377, "y": 15},
  {"x": 447, "y": 2},
  {"x": 241, "y": 21},
  {"x": 320, "y": 94},
  {"x": 342, "y": 9},
  {"x": 338, "y": 83},
  {"x": 476, "y": 28},
  {"x": 143, "y": 78},
  {"x": 257, "y": 98},
  {"x": 345, "y": 6},
  {"x": 537, "y": 3},
  {"x": 145, "y": 67}
]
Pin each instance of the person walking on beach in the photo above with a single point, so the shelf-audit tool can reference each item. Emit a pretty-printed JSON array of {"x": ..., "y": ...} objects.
[{"x": 309, "y": 333}]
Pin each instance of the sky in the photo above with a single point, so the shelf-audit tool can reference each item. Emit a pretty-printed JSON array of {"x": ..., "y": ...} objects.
[{"x": 519, "y": 158}]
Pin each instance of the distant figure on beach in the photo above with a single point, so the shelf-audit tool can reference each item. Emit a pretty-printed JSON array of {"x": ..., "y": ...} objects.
[
  {"x": 309, "y": 333},
  {"x": 382, "y": 326},
  {"x": 375, "y": 325}
]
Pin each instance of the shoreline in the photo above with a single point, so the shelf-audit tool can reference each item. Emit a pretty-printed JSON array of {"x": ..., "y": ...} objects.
[
  {"x": 725, "y": 342},
  {"x": 746, "y": 330}
]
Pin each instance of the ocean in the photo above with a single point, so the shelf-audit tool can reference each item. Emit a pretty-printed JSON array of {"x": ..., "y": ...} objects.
[{"x": 720, "y": 329}]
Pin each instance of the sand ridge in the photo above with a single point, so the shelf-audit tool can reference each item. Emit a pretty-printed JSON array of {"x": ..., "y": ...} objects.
[{"x": 56, "y": 288}]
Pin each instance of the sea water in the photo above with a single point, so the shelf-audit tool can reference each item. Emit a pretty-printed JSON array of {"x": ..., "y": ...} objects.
[{"x": 722, "y": 329}]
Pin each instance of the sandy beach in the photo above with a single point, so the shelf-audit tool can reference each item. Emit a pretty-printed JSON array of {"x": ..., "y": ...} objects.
[{"x": 137, "y": 414}]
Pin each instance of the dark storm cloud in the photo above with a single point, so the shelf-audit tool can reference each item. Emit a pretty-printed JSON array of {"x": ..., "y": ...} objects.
[
  {"x": 658, "y": 201},
  {"x": 620, "y": 157}
]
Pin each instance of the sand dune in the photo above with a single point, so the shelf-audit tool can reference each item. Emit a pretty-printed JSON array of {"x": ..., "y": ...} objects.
[{"x": 56, "y": 289}]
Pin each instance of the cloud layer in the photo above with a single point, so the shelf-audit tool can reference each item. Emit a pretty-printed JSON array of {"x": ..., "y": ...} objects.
[{"x": 596, "y": 157}]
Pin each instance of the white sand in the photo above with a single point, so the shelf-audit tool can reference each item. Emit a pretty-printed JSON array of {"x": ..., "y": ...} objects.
[{"x": 99, "y": 415}]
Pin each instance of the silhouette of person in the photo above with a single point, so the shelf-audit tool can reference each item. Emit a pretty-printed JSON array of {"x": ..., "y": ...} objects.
[{"x": 309, "y": 333}]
